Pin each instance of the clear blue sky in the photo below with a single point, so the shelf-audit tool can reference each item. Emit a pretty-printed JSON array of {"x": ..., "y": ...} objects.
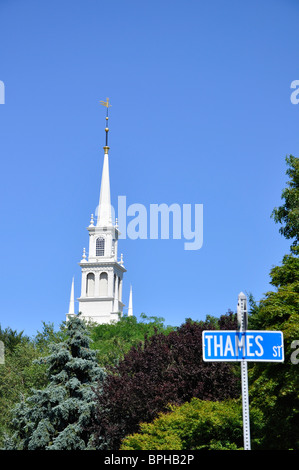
[{"x": 201, "y": 114}]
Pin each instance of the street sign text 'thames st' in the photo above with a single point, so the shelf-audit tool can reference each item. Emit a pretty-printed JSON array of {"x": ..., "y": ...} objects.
[{"x": 262, "y": 346}]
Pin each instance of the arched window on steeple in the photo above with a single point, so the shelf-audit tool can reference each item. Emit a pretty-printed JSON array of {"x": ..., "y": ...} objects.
[
  {"x": 103, "y": 284},
  {"x": 100, "y": 247},
  {"x": 90, "y": 285}
]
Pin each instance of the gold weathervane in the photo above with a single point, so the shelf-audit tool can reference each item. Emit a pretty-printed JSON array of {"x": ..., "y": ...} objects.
[{"x": 107, "y": 105}]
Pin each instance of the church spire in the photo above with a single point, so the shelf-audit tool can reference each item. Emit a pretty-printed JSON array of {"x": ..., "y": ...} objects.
[
  {"x": 72, "y": 300},
  {"x": 104, "y": 209},
  {"x": 130, "y": 308}
]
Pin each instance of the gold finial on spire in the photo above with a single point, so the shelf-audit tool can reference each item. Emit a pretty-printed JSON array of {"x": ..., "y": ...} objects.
[{"x": 107, "y": 105}]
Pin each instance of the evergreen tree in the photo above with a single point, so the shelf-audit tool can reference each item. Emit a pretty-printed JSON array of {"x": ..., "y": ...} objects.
[{"x": 57, "y": 417}]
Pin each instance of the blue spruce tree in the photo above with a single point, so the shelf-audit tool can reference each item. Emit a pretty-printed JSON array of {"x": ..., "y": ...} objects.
[{"x": 58, "y": 417}]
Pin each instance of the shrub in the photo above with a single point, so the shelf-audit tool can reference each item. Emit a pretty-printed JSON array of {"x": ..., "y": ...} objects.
[{"x": 196, "y": 425}]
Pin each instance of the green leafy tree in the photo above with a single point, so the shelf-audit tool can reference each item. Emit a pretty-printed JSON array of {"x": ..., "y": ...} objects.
[
  {"x": 57, "y": 416},
  {"x": 196, "y": 425},
  {"x": 113, "y": 341},
  {"x": 48, "y": 335},
  {"x": 18, "y": 375},
  {"x": 11, "y": 338},
  {"x": 275, "y": 386},
  {"x": 288, "y": 213}
]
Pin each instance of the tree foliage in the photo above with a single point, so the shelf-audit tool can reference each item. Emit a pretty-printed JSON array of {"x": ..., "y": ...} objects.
[
  {"x": 18, "y": 374},
  {"x": 113, "y": 341},
  {"x": 275, "y": 387},
  {"x": 288, "y": 213},
  {"x": 165, "y": 369},
  {"x": 56, "y": 417},
  {"x": 21, "y": 372},
  {"x": 196, "y": 425},
  {"x": 11, "y": 338},
  {"x": 48, "y": 335}
]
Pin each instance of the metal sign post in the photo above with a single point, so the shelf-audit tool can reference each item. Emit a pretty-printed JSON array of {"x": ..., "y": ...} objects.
[
  {"x": 245, "y": 405},
  {"x": 242, "y": 317}
]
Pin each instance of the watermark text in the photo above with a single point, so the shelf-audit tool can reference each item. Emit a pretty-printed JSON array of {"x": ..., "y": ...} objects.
[
  {"x": 160, "y": 221},
  {"x": 295, "y": 94}
]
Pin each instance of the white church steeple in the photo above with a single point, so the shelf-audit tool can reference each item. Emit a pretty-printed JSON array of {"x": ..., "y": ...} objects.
[{"x": 102, "y": 272}]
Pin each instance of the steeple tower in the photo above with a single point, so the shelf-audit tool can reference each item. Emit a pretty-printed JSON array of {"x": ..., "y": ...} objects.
[{"x": 102, "y": 273}]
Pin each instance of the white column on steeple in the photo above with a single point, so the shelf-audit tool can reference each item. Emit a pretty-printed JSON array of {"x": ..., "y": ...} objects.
[
  {"x": 116, "y": 287},
  {"x": 72, "y": 300},
  {"x": 130, "y": 308},
  {"x": 120, "y": 290}
]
